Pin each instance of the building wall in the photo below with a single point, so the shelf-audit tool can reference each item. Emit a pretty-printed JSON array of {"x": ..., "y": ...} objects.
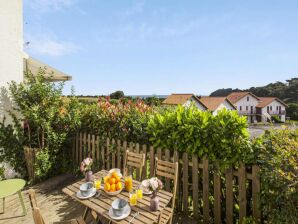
[
  {"x": 252, "y": 101},
  {"x": 223, "y": 105},
  {"x": 11, "y": 48},
  {"x": 273, "y": 110},
  {"x": 197, "y": 104}
]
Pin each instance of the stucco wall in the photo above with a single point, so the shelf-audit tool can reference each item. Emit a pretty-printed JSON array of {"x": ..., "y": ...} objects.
[
  {"x": 11, "y": 47},
  {"x": 243, "y": 102},
  {"x": 274, "y": 110},
  {"x": 197, "y": 104},
  {"x": 223, "y": 105}
]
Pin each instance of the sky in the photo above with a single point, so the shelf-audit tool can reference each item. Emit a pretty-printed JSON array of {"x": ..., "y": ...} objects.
[{"x": 164, "y": 46}]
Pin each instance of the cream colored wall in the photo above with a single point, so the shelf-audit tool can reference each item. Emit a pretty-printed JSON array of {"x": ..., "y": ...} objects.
[
  {"x": 197, "y": 104},
  {"x": 274, "y": 110},
  {"x": 11, "y": 47},
  {"x": 223, "y": 105}
]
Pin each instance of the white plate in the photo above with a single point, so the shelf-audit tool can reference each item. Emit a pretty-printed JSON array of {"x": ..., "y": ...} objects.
[
  {"x": 125, "y": 214},
  {"x": 80, "y": 196}
]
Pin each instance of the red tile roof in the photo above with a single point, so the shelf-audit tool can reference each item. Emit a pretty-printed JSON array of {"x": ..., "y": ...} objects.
[
  {"x": 264, "y": 101},
  {"x": 236, "y": 96},
  {"x": 180, "y": 99},
  {"x": 176, "y": 99},
  {"x": 212, "y": 103}
]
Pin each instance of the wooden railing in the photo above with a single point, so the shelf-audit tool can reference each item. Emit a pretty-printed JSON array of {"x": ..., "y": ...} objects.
[{"x": 203, "y": 192}]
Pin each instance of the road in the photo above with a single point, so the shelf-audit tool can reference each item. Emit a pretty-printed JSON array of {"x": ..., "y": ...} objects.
[{"x": 256, "y": 131}]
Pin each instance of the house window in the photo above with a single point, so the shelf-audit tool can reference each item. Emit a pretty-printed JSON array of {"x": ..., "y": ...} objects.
[
  {"x": 267, "y": 109},
  {"x": 271, "y": 108},
  {"x": 247, "y": 98},
  {"x": 276, "y": 108},
  {"x": 246, "y": 108},
  {"x": 240, "y": 108}
]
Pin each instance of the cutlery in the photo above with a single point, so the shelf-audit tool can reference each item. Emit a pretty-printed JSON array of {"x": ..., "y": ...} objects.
[{"x": 137, "y": 213}]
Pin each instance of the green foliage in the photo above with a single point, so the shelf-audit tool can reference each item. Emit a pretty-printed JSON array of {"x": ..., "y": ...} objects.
[
  {"x": 117, "y": 95},
  {"x": 43, "y": 163},
  {"x": 223, "y": 137},
  {"x": 276, "y": 119},
  {"x": 42, "y": 119},
  {"x": 12, "y": 140},
  {"x": 2, "y": 170},
  {"x": 121, "y": 120},
  {"x": 292, "y": 111},
  {"x": 278, "y": 159}
]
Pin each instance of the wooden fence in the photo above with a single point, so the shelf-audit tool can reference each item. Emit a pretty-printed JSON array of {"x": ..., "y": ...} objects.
[{"x": 202, "y": 193}]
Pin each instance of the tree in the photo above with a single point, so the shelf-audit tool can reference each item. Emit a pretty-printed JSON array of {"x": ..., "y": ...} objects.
[{"x": 117, "y": 95}]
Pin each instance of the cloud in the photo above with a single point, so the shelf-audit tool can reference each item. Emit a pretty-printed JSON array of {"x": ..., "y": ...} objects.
[
  {"x": 46, "y": 45},
  {"x": 50, "y": 5}
]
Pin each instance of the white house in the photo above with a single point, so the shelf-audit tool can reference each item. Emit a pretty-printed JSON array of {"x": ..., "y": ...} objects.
[
  {"x": 184, "y": 100},
  {"x": 214, "y": 104},
  {"x": 13, "y": 60},
  {"x": 269, "y": 106},
  {"x": 246, "y": 104}
]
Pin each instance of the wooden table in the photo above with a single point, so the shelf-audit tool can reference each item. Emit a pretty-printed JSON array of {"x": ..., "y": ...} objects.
[{"x": 102, "y": 203}]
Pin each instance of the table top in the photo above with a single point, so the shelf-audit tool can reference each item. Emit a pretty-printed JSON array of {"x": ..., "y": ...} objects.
[
  {"x": 102, "y": 203},
  {"x": 11, "y": 186}
]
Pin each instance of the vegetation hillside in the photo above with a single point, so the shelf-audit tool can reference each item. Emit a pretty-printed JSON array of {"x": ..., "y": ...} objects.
[{"x": 286, "y": 91}]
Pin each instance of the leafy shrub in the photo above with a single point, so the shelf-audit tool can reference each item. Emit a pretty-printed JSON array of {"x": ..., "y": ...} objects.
[
  {"x": 276, "y": 119},
  {"x": 42, "y": 119},
  {"x": 121, "y": 120},
  {"x": 223, "y": 137},
  {"x": 278, "y": 159}
]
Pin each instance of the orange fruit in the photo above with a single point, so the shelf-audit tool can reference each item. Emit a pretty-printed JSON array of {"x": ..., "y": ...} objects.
[
  {"x": 114, "y": 174},
  {"x": 113, "y": 188},
  {"x": 119, "y": 186},
  {"x": 117, "y": 179},
  {"x": 107, "y": 187},
  {"x": 112, "y": 180},
  {"x": 106, "y": 179}
]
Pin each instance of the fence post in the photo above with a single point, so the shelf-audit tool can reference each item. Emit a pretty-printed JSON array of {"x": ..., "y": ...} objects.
[
  {"x": 229, "y": 196},
  {"x": 185, "y": 183},
  {"x": 195, "y": 187},
  {"x": 256, "y": 193},
  {"x": 242, "y": 192},
  {"x": 152, "y": 161},
  {"x": 205, "y": 191},
  {"x": 217, "y": 195}
]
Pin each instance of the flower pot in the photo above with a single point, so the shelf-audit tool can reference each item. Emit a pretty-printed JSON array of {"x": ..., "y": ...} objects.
[
  {"x": 89, "y": 176},
  {"x": 154, "y": 202}
]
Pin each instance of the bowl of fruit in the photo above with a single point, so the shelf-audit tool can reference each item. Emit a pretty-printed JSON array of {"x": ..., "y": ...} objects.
[{"x": 113, "y": 184}]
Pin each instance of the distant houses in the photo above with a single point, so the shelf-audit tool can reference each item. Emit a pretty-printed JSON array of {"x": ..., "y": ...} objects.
[{"x": 256, "y": 109}]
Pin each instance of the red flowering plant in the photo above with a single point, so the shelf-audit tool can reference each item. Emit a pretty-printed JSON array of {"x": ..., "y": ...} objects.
[{"x": 122, "y": 119}]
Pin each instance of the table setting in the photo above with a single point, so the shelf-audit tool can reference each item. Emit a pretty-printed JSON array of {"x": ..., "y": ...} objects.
[{"x": 118, "y": 196}]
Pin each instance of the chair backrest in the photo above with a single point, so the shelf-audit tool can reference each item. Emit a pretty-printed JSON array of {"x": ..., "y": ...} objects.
[
  {"x": 169, "y": 171},
  {"x": 134, "y": 160},
  {"x": 38, "y": 219}
]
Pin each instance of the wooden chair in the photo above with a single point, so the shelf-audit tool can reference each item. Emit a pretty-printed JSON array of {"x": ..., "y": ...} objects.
[
  {"x": 38, "y": 219},
  {"x": 134, "y": 160},
  {"x": 169, "y": 171}
]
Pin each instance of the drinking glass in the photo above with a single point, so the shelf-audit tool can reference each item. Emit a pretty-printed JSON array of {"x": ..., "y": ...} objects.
[
  {"x": 133, "y": 198},
  {"x": 97, "y": 183},
  {"x": 128, "y": 183},
  {"x": 140, "y": 193}
]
